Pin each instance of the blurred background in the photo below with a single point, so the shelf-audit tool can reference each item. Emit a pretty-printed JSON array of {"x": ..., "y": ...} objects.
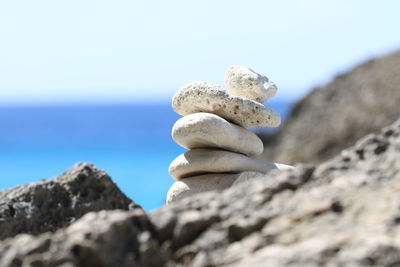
[{"x": 93, "y": 80}]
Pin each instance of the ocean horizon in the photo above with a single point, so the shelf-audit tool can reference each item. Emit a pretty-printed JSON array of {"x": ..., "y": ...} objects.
[{"x": 132, "y": 143}]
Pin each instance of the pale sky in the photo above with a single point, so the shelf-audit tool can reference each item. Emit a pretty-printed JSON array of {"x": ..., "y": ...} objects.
[{"x": 81, "y": 51}]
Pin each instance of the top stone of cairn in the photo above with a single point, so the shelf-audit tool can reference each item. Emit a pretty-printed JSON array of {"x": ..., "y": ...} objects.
[{"x": 244, "y": 82}]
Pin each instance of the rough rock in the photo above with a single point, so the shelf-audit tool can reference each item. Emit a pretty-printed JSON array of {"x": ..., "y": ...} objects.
[
  {"x": 203, "y": 161},
  {"x": 344, "y": 212},
  {"x": 211, "y": 98},
  {"x": 206, "y": 130},
  {"x": 53, "y": 204},
  {"x": 244, "y": 82},
  {"x": 105, "y": 238},
  {"x": 333, "y": 117}
]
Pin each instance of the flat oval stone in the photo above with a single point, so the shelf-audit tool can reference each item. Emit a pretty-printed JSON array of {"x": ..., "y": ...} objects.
[
  {"x": 215, "y": 182},
  {"x": 211, "y": 98},
  {"x": 204, "y": 161},
  {"x": 206, "y": 130},
  {"x": 244, "y": 82},
  {"x": 199, "y": 184}
]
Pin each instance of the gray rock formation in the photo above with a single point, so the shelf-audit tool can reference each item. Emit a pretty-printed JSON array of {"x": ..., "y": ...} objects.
[
  {"x": 333, "y": 117},
  {"x": 344, "y": 212},
  {"x": 53, "y": 204}
]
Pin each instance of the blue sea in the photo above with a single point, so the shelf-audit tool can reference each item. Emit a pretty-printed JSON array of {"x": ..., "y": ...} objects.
[{"x": 132, "y": 143}]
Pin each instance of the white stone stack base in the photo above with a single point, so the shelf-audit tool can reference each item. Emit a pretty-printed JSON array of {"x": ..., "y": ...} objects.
[
  {"x": 216, "y": 182},
  {"x": 219, "y": 154}
]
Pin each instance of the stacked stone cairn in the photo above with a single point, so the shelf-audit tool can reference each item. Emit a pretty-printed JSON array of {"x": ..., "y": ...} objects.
[{"x": 214, "y": 126}]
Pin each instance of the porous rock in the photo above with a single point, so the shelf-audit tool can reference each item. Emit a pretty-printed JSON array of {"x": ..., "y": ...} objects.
[
  {"x": 244, "y": 82},
  {"x": 341, "y": 213},
  {"x": 334, "y": 116},
  {"x": 344, "y": 212},
  {"x": 105, "y": 238},
  {"x": 203, "y": 161},
  {"x": 211, "y": 98},
  {"x": 53, "y": 204},
  {"x": 205, "y": 130}
]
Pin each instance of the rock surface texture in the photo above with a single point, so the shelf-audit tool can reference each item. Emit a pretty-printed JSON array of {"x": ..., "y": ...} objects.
[
  {"x": 211, "y": 98},
  {"x": 244, "y": 82},
  {"x": 345, "y": 212},
  {"x": 53, "y": 204},
  {"x": 333, "y": 117},
  {"x": 214, "y": 130}
]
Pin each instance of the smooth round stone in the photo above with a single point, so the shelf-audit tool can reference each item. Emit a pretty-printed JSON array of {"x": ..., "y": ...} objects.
[
  {"x": 244, "y": 82},
  {"x": 215, "y": 182},
  {"x": 199, "y": 184},
  {"x": 205, "y": 130},
  {"x": 203, "y": 161},
  {"x": 211, "y": 98}
]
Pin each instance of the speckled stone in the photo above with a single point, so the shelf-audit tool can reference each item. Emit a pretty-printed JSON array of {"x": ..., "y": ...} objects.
[
  {"x": 209, "y": 97},
  {"x": 202, "y": 161},
  {"x": 244, "y": 82},
  {"x": 206, "y": 130}
]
